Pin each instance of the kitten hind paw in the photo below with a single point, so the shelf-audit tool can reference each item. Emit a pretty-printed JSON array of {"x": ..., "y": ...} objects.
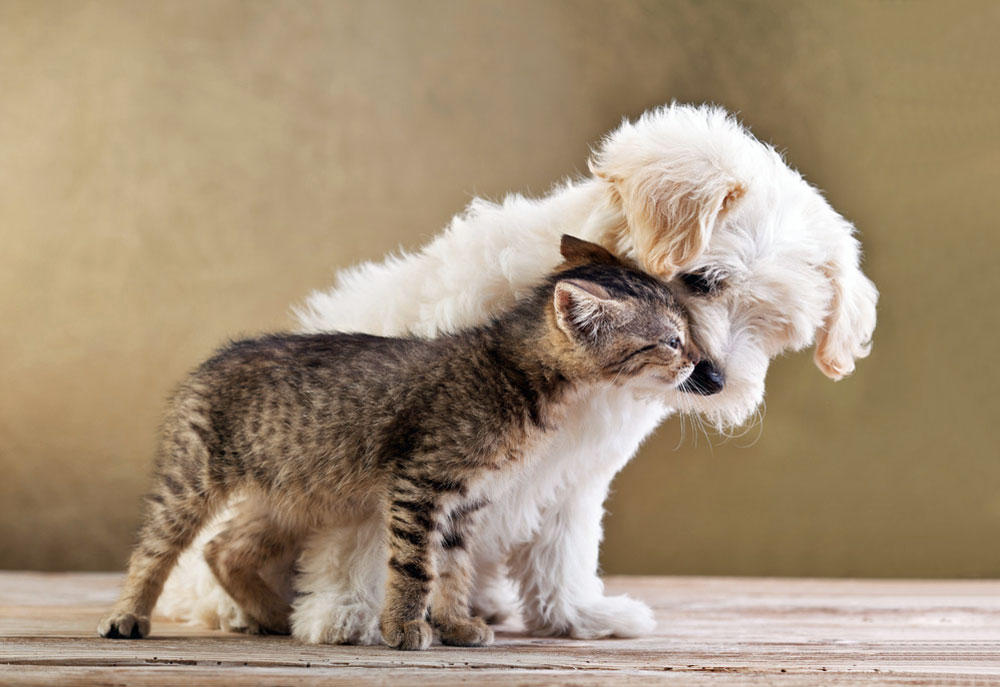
[
  {"x": 123, "y": 626},
  {"x": 414, "y": 635},
  {"x": 472, "y": 632}
]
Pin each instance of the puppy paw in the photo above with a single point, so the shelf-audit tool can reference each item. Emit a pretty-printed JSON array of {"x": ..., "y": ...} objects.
[
  {"x": 335, "y": 621},
  {"x": 472, "y": 632},
  {"x": 609, "y": 616},
  {"x": 122, "y": 625},
  {"x": 613, "y": 616},
  {"x": 413, "y": 635},
  {"x": 496, "y": 603}
]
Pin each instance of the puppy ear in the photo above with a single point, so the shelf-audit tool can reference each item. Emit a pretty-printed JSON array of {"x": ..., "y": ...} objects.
[
  {"x": 579, "y": 252},
  {"x": 847, "y": 330},
  {"x": 670, "y": 184},
  {"x": 583, "y": 308}
]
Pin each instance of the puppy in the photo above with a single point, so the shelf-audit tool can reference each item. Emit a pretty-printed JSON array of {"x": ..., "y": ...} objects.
[{"x": 763, "y": 264}]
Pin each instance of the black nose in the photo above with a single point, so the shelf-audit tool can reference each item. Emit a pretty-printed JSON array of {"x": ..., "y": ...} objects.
[{"x": 705, "y": 380}]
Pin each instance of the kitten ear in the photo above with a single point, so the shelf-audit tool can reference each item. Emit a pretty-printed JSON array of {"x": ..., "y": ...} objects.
[
  {"x": 583, "y": 308},
  {"x": 579, "y": 252}
]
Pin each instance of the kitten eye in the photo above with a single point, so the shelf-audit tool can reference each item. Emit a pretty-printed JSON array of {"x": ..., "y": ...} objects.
[
  {"x": 699, "y": 282},
  {"x": 674, "y": 342}
]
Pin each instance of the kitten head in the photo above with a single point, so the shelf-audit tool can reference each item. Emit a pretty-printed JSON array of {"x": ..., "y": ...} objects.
[{"x": 619, "y": 324}]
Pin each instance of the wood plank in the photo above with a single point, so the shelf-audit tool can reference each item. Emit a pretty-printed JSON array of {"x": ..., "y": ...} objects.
[{"x": 711, "y": 630}]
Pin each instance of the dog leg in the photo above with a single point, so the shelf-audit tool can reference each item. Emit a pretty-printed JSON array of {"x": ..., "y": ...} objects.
[
  {"x": 561, "y": 592},
  {"x": 341, "y": 584}
]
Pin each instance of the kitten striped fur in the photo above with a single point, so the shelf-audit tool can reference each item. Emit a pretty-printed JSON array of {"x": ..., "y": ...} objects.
[{"x": 322, "y": 426}]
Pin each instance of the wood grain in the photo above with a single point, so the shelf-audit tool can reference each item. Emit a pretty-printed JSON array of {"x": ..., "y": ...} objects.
[{"x": 711, "y": 631}]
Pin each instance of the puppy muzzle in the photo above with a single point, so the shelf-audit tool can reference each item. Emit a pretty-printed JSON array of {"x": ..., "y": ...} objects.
[{"x": 705, "y": 380}]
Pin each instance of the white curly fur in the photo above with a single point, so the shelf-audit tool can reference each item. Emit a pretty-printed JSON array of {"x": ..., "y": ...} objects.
[{"x": 681, "y": 189}]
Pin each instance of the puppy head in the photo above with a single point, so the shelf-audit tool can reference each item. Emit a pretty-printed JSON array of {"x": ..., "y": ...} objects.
[
  {"x": 672, "y": 188},
  {"x": 760, "y": 260}
]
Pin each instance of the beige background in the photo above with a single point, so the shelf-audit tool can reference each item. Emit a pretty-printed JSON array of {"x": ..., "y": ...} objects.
[{"x": 175, "y": 173}]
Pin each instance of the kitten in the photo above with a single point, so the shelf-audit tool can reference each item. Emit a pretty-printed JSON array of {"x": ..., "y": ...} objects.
[{"x": 321, "y": 426}]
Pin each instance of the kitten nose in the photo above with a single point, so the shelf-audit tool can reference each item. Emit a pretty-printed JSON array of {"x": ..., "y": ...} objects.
[{"x": 705, "y": 380}]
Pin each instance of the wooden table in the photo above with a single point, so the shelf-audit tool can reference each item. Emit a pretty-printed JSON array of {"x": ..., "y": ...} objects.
[{"x": 711, "y": 631}]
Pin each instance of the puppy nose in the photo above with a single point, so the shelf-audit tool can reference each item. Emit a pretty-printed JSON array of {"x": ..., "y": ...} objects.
[{"x": 705, "y": 380}]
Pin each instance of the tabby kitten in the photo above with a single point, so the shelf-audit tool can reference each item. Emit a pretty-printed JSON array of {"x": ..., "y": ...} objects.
[{"x": 321, "y": 426}]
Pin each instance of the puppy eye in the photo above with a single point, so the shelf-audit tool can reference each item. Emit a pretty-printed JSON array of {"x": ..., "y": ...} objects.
[{"x": 699, "y": 282}]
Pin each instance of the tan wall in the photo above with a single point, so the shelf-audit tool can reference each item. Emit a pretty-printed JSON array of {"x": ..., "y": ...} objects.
[{"x": 175, "y": 173}]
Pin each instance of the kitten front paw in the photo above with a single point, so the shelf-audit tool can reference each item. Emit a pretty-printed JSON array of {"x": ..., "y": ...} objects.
[
  {"x": 472, "y": 632},
  {"x": 122, "y": 625},
  {"x": 413, "y": 635}
]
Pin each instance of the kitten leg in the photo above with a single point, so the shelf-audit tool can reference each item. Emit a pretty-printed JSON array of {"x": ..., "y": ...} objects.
[
  {"x": 450, "y": 600},
  {"x": 236, "y": 556},
  {"x": 177, "y": 509},
  {"x": 412, "y": 521}
]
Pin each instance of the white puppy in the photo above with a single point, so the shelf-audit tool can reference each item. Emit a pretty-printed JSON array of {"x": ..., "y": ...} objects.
[{"x": 761, "y": 260}]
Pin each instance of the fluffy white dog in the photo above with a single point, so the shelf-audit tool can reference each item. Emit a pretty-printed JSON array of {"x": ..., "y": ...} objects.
[{"x": 760, "y": 259}]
